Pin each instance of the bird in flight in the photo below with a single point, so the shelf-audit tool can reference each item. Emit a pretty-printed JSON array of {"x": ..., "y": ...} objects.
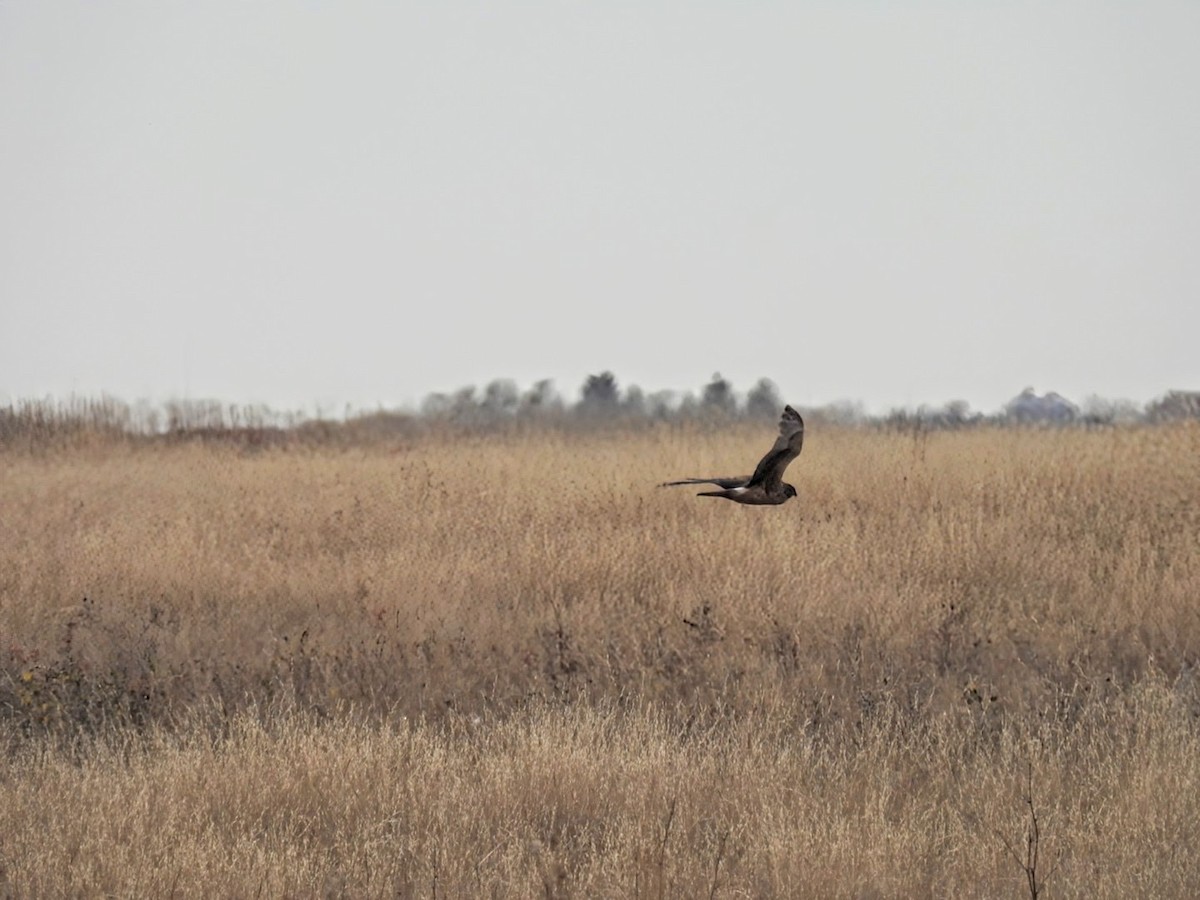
[{"x": 766, "y": 485}]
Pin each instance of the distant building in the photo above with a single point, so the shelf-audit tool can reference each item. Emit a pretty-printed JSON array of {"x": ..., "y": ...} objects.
[
  {"x": 1052, "y": 408},
  {"x": 1175, "y": 405}
]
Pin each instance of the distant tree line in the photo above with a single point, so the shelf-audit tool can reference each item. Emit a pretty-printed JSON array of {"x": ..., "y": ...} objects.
[
  {"x": 601, "y": 397},
  {"x": 601, "y": 401}
]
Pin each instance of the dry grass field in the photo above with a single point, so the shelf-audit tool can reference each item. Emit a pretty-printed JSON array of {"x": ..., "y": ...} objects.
[{"x": 507, "y": 665}]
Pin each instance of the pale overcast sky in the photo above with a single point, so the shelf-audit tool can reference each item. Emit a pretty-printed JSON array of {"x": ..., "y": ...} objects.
[{"x": 347, "y": 203}]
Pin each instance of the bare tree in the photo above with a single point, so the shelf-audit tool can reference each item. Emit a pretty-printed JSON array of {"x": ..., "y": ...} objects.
[
  {"x": 437, "y": 405},
  {"x": 717, "y": 396},
  {"x": 661, "y": 404},
  {"x": 501, "y": 397},
  {"x": 763, "y": 401},
  {"x": 541, "y": 398},
  {"x": 600, "y": 394},
  {"x": 634, "y": 402},
  {"x": 1175, "y": 405}
]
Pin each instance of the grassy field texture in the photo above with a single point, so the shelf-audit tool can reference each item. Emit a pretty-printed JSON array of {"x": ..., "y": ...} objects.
[{"x": 508, "y": 665}]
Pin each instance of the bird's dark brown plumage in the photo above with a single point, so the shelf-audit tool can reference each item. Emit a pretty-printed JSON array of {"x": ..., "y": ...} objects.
[{"x": 766, "y": 486}]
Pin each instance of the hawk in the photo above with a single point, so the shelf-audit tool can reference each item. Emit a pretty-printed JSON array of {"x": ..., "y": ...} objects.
[{"x": 766, "y": 486}]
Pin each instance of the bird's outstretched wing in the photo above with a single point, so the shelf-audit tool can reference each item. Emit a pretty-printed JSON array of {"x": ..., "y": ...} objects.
[
  {"x": 719, "y": 482},
  {"x": 787, "y": 447}
]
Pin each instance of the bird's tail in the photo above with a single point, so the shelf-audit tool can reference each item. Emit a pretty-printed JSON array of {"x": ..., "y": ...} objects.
[{"x": 719, "y": 482}]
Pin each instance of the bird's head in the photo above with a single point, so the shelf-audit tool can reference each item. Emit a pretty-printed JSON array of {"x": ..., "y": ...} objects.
[{"x": 788, "y": 490}]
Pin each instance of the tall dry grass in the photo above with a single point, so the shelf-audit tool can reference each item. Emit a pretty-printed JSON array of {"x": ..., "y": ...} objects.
[
  {"x": 606, "y": 801},
  {"x": 509, "y": 665}
]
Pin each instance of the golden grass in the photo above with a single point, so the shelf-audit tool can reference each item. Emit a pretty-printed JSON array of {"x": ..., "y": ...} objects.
[
  {"x": 598, "y": 802},
  {"x": 508, "y": 665}
]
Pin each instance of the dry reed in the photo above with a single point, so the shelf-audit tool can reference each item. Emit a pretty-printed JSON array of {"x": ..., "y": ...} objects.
[{"x": 508, "y": 665}]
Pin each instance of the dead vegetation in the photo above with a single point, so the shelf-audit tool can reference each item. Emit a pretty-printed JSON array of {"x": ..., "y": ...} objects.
[{"x": 504, "y": 664}]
